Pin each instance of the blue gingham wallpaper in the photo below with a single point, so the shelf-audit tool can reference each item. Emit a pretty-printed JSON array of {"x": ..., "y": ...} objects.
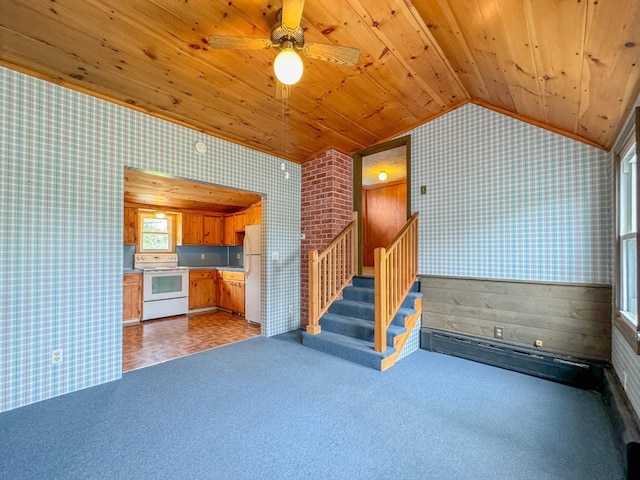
[
  {"x": 508, "y": 200},
  {"x": 61, "y": 174}
]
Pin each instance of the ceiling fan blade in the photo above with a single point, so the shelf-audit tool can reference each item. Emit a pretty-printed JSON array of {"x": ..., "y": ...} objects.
[
  {"x": 292, "y": 13},
  {"x": 282, "y": 91},
  {"x": 332, "y": 53},
  {"x": 245, "y": 43}
]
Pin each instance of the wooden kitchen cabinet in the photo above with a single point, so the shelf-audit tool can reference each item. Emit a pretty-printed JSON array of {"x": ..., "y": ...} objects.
[
  {"x": 231, "y": 291},
  {"x": 130, "y": 226},
  {"x": 229, "y": 234},
  {"x": 202, "y": 289},
  {"x": 254, "y": 215},
  {"x": 132, "y": 297},
  {"x": 212, "y": 230},
  {"x": 192, "y": 228}
]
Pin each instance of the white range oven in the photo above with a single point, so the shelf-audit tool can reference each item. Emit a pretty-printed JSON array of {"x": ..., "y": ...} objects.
[{"x": 165, "y": 286}]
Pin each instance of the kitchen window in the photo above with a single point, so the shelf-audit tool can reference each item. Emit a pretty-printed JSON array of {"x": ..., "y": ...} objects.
[
  {"x": 628, "y": 233},
  {"x": 156, "y": 232}
]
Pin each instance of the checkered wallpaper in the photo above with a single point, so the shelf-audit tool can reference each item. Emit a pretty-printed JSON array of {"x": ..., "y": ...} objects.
[
  {"x": 509, "y": 200},
  {"x": 61, "y": 195}
]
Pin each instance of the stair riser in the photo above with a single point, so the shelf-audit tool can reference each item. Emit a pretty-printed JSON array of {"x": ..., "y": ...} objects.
[
  {"x": 368, "y": 296},
  {"x": 357, "y": 356},
  {"x": 355, "y": 331},
  {"x": 365, "y": 312},
  {"x": 368, "y": 283}
]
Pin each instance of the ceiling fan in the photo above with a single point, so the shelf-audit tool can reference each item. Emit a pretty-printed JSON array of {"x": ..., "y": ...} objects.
[{"x": 287, "y": 36}]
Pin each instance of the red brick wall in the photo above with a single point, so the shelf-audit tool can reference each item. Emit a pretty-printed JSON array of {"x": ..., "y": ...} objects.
[{"x": 327, "y": 206}]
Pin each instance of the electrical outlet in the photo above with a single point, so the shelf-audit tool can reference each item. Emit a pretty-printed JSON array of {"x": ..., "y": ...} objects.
[
  {"x": 56, "y": 356},
  {"x": 237, "y": 256},
  {"x": 202, "y": 256},
  {"x": 290, "y": 308},
  {"x": 538, "y": 343},
  {"x": 498, "y": 332},
  {"x": 275, "y": 256},
  {"x": 423, "y": 189},
  {"x": 624, "y": 381}
]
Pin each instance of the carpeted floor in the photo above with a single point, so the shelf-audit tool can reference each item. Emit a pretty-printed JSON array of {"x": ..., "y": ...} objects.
[{"x": 269, "y": 408}]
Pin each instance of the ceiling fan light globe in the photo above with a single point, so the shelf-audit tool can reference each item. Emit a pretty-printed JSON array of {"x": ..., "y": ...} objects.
[{"x": 288, "y": 66}]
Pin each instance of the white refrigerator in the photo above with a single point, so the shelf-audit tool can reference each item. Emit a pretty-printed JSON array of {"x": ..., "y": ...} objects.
[{"x": 252, "y": 250}]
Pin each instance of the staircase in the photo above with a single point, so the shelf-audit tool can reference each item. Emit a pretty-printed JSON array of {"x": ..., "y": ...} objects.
[{"x": 347, "y": 329}]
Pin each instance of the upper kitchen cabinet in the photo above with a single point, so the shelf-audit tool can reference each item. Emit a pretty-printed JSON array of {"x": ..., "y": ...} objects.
[
  {"x": 130, "y": 226},
  {"x": 254, "y": 214},
  {"x": 192, "y": 229},
  {"x": 212, "y": 230},
  {"x": 200, "y": 229}
]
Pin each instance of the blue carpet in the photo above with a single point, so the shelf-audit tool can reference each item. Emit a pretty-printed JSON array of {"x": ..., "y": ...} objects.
[{"x": 269, "y": 408}]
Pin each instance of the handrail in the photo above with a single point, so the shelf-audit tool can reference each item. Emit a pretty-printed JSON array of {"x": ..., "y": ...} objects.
[
  {"x": 336, "y": 266},
  {"x": 395, "y": 271}
]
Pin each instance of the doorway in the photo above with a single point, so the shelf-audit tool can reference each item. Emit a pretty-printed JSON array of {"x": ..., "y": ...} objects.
[{"x": 381, "y": 176}]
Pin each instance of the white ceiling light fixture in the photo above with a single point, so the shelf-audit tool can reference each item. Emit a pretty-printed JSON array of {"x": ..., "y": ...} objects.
[
  {"x": 382, "y": 176},
  {"x": 288, "y": 65}
]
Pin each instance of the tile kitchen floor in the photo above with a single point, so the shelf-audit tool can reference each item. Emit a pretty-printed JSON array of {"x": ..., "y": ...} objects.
[{"x": 156, "y": 341}]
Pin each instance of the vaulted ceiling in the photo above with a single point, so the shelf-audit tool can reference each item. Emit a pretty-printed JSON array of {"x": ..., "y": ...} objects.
[{"x": 571, "y": 66}]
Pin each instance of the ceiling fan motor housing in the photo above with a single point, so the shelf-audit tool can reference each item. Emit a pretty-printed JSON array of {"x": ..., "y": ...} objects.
[{"x": 281, "y": 34}]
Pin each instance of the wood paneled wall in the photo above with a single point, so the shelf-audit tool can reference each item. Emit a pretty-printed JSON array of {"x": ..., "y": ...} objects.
[
  {"x": 569, "y": 319},
  {"x": 384, "y": 213}
]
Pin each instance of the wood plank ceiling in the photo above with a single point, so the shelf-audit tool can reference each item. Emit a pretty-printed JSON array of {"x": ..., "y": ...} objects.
[{"x": 568, "y": 65}]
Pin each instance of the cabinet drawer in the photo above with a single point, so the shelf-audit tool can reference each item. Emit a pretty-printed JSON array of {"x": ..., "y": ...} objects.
[
  {"x": 132, "y": 278},
  {"x": 229, "y": 275},
  {"x": 198, "y": 274}
]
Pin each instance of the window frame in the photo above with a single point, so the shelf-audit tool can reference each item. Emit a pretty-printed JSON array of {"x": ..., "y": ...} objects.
[
  {"x": 625, "y": 324},
  {"x": 171, "y": 223}
]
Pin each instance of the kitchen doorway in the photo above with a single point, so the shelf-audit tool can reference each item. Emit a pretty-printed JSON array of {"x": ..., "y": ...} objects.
[{"x": 381, "y": 178}]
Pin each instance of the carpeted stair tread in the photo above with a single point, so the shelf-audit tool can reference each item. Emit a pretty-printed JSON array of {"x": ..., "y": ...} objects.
[
  {"x": 352, "y": 308},
  {"x": 357, "y": 327},
  {"x": 349, "y": 348}
]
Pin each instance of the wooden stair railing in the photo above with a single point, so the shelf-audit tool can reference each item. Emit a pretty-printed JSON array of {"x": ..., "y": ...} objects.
[
  {"x": 330, "y": 271},
  {"x": 395, "y": 271}
]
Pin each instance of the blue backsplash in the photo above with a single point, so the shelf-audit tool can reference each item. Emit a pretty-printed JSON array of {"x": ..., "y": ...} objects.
[
  {"x": 225, "y": 256},
  {"x": 191, "y": 256}
]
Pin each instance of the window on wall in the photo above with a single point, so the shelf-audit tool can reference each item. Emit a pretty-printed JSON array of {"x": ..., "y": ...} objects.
[
  {"x": 628, "y": 232},
  {"x": 156, "y": 232}
]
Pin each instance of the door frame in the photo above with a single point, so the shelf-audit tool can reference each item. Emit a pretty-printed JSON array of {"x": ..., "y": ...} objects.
[{"x": 357, "y": 181}]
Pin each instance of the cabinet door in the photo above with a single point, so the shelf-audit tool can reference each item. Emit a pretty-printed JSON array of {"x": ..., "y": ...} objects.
[
  {"x": 132, "y": 297},
  {"x": 224, "y": 295},
  {"x": 237, "y": 296},
  {"x": 255, "y": 215},
  {"x": 212, "y": 227},
  {"x": 202, "y": 289},
  {"x": 192, "y": 229},
  {"x": 130, "y": 226},
  {"x": 229, "y": 233},
  {"x": 239, "y": 222}
]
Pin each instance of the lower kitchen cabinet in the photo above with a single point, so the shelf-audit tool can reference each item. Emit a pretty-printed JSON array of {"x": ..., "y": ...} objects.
[
  {"x": 231, "y": 291},
  {"x": 202, "y": 289},
  {"x": 132, "y": 297}
]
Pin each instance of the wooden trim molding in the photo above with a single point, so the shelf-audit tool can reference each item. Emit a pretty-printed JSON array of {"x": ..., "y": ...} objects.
[{"x": 629, "y": 332}]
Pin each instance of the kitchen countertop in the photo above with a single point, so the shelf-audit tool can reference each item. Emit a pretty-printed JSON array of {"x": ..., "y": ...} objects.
[
  {"x": 131, "y": 270},
  {"x": 219, "y": 267}
]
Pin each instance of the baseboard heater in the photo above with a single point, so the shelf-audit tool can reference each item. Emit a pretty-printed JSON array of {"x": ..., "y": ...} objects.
[{"x": 586, "y": 374}]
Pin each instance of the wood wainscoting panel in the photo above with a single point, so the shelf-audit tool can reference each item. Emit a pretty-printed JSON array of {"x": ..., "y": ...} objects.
[{"x": 569, "y": 319}]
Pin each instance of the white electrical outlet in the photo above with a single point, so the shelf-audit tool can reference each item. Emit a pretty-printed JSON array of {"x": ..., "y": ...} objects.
[
  {"x": 237, "y": 256},
  {"x": 290, "y": 308},
  {"x": 275, "y": 256},
  {"x": 56, "y": 356},
  {"x": 202, "y": 256},
  {"x": 624, "y": 381}
]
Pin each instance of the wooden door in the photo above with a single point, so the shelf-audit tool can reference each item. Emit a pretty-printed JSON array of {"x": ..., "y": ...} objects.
[{"x": 384, "y": 208}]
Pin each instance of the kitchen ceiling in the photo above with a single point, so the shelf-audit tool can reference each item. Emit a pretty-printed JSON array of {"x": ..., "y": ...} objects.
[
  {"x": 571, "y": 66},
  {"x": 154, "y": 190}
]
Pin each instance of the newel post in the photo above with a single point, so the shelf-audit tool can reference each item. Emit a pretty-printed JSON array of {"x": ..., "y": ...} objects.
[
  {"x": 380, "y": 296},
  {"x": 313, "y": 326}
]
